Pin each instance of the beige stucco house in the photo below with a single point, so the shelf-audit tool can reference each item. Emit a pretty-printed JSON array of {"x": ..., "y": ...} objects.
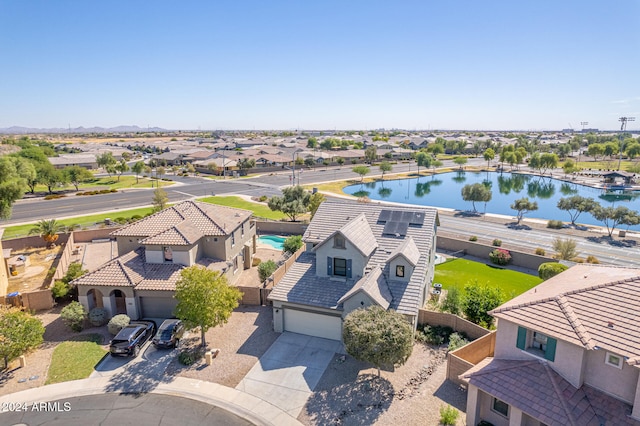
[
  {"x": 567, "y": 352},
  {"x": 141, "y": 281},
  {"x": 4, "y": 269},
  {"x": 357, "y": 255}
]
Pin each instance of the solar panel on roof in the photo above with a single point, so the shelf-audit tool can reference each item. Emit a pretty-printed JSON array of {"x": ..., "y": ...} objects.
[
  {"x": 407, "y": 216},
  {"x": 395, "y": 228},
  {"x": 384, "y": 215}
]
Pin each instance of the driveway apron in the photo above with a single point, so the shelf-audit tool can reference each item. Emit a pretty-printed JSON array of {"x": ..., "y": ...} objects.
[{"x": 289, "y": 371}]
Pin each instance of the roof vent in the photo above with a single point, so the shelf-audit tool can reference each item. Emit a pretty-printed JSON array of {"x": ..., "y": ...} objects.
[{"x": 610, "y": 324}]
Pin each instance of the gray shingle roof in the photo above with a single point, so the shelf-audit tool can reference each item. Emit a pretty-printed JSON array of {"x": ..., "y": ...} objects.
[
  {"x": 304, "y": 287},
  {"x": 587, "y": 305}
]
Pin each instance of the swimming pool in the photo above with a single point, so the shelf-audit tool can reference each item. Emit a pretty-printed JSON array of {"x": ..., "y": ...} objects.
[{"x": 272, "y": 240}]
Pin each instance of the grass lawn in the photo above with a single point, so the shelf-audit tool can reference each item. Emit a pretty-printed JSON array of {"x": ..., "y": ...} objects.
[
  {"x": 106, "y": 182},
  {"x": 460, "y": 272},
  {"x": 75, "y": 359},
  {"x": 258, "y": 209}
]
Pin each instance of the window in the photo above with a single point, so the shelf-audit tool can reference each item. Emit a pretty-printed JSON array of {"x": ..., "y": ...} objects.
[
  {"x": 233, "y": 239},
  {"x": 500, "y": 407},
  {"x": 536, "y": 343},
  {"x": 613, "y": 360},
  {"x": 338, "y": 242},
  {"x": 399, "y": 270},
  {"x": 168, "y": 254},
  {"x": 340, "y": 267},
  {"x": 242, "y": 230}
]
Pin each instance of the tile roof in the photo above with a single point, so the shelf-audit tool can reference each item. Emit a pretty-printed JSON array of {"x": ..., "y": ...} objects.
[
  {"x": 183, "y": 234},
  {"x": 358, "y": 232},
  {"x": 374, "y": 284},
  {"x": 539, "y": 391},
  {"x": 131, "y": 270},
  {"x": 208, "y": 219},
  {"x": 587, "y": 305},
  {"x": 302, "y": 286},
  {"x": 409, "y": 250}
]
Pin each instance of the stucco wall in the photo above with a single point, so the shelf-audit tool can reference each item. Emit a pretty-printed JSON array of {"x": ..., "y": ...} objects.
[
  {"x": 280, "y": 228},
  {"x": 357, "y": 301},
  {"x": 408, "y": 269},
  {"x": 127, "y": 244},
  {"x": 620, "y": 383},
  {"x": 4, "y": 272},
  {"x": 349, "y": 252}
]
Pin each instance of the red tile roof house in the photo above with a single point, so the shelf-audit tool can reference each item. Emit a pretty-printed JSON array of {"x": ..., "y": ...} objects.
[
  {"x": 141, "y": 281},
  {"x": 357, "y": 255},
  {"x": 567, "y": 352}
]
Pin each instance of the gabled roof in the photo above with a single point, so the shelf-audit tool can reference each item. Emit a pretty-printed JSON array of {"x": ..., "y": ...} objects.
[
  {"x": 374, "y": 285},
  {"x": 358, "y": 232},
  {"x": 590, "y": 306},
  {"x": 535, "y": 388},
  {"x": 183, "y": 234},
  {"x": 208, "y": 219},
  {"x": 408, "y": 249}
]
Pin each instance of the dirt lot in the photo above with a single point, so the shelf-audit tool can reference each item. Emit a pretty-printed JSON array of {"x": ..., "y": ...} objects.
[{"x": 33, "y": 277}]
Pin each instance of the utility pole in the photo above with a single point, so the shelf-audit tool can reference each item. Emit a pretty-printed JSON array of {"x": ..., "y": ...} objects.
[
  {"x": 623, "y": 127},
  {"x": 584, "y": 123}
]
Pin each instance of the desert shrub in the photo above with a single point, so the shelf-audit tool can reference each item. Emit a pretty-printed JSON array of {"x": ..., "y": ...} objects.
[
  {"x": 136, "y": 217},
  {"x": 98, "y": 317},
  {"x": 456, "y": 340},
  {"x": 473, "y": 238},
  {"x": 113, "y": 190},
  {"x": 73, "y": 315},
  {"x": 550, "y": 269},
  {"x": 452, "y": 302},
  {"x": 59, "y": 289},
  {"x": 448, "y": 415},
  {"x": 265, "y": 269},
  {"x": 565, "y": 248},
  {"x": 121, "y": 220},
  {"x": 51, "y": 272},
  {"x": 555, "y": 224},
  {"x": 74, "y": 271},
  {"x": 53, "y": 196},
  {"x": 292, "y": 244},
  {"x": 592, "y": 259},
  {"x": 117, "y": 323},
  {"x": 263, "y": 198},
  {"x": 500, "y": 257},
  {"x": 191, "y": 356},
  {"x": 256, "y": 261},
  {"x": 435, "y": 335},
  {"x": 496, "y": 242},
  {"x": 540, "y": 251}
]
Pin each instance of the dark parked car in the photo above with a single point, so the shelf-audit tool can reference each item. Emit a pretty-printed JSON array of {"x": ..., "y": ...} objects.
[
  {"x": 132, "y": 338},
  {"x": 169, "y": 334}
]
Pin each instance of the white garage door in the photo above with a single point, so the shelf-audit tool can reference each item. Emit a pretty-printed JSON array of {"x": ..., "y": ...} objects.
[
  {"x": 157, "y": 307},
  {"x": 313, "y": 324}
]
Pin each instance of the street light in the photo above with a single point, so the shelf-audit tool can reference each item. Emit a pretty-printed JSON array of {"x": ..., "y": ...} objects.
[
  {"x": 293, "y": 168},
  {"x": 623, "y": 127}
]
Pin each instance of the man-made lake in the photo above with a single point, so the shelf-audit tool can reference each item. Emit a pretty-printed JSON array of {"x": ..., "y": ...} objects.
[{"x": 445, "y": 190}]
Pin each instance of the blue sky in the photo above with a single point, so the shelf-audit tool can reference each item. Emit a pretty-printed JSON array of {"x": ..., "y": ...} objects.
[{"x": 320, "y": 65}]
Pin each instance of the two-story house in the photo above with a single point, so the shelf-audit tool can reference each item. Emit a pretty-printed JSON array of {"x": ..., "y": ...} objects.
[
  {"x": 567, "y": 352},
  {"x": 357, "y": 255},
  {"x": 152, "y": 251}
]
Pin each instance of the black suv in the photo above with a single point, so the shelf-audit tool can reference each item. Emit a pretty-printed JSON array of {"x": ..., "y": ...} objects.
[
  {"x": 169, "y": 334},
  {"x": 132, "y": 338}
]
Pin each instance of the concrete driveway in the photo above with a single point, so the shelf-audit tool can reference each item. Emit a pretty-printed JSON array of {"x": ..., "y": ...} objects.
[{"x": 289, "y": 371}]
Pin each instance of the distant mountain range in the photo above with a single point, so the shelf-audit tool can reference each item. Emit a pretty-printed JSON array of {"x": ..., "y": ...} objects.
[{"x": 18, "y": 130}]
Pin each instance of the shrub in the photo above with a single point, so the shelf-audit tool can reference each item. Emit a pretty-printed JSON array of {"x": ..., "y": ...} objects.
[
  {"x": 473, "y": 238},
  {"x": 136, "y": 217},
  {"x": 256, "y": 261},
  {"x": 452, "y": 302},
  {"x": 550, "y": 269},
  {"x": 265, "y": 269},
  {"x": 540, "y": 251},
  {"x": 497, "y": 242},
  {"x": 435, "y": 335},
  {"x": 117, "y": 323},
  {"x": 500, "y": 257},
  {"x": 448, "y": 415},
  {"x": 456, "y": 340},
  {"x": 59, "y": 289},
  {"x": 263, "y": 198},
  {"x": 51, "y": 272},
  {"x": 592, "y": 259},
  {"x": 98, "y": 317},
  {"x": 191, "y": 356},
  {"x": 565, "y": 248},
  {"x": 73, "y": 315},
  {"x": 74, "y": 271},
  {"x": 555, "y": 224},
  {"x": 292, "y": 244}
]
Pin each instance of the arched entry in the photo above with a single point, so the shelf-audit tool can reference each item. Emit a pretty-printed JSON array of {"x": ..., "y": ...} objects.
[
  {"x": 118, "y": 302},
  {"x": 94, "y": 299}
]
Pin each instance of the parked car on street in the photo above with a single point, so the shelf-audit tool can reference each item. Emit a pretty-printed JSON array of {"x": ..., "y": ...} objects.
[
  {"x": 130, "y": 340},
  {"x": 169, "y": 334}
]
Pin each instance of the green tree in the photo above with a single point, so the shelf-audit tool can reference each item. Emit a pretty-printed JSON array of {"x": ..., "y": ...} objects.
[
  {"x": 489, "y": 154},
  {"x": 385, "y": 167},
  {"x": 138, "y": 168},
  {"x": 19, "y": 333},
  {"x": 548, "y": 161},
  {"x": 292, "y": 244},
  {"x": 77, "y": 175},
  {"x": 205, "y": 299},
  {"x": 247, "y": 163},
  {"x": 370, "y": 154},
  {"x": 523, "y": 206},
  {"x": 105, "y": 160},
  {"x": 575, "y": 205},
  {"x": 436, "y": 149},
  {"x": 610, "y": 149},
  {"x": 478, "y": 301},
  {"x": 613, "y": 216},
  {"x": 47, "y": 230},
  {"x": 565, "y": 248},
  {"x": 476, "y": 192},
  {"x": 160, "y": 199},
  {"x": 312, "y": 142},
  {"x": 632, "y": 150},
  {"x": 73, "y": 315},
  {"x": 594, "y": 150},
  {"x": 569, "y": 167},
  {"x": 378, "y": 336},
  {"x": 362, "y": 171},
  {"x": 265, "y": 269},
  {"x": 12, "y": 186},
  {"x": 314, "y": 202},
  {"x": 423, "y": 159},
  {"x": 460, "y": 161},
  {"x": 309, "y": 161},
  {"x": 550, "y": 269},
  {"x": 52, "y": 177},
  {"x": 121, "y": 168},
  {"x": 340, "y": 161},
  {"x": 294, "y": 202}
]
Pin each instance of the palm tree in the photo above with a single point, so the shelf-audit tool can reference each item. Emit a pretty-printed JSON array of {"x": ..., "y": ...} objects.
[{"x": 48, "y": 230}]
